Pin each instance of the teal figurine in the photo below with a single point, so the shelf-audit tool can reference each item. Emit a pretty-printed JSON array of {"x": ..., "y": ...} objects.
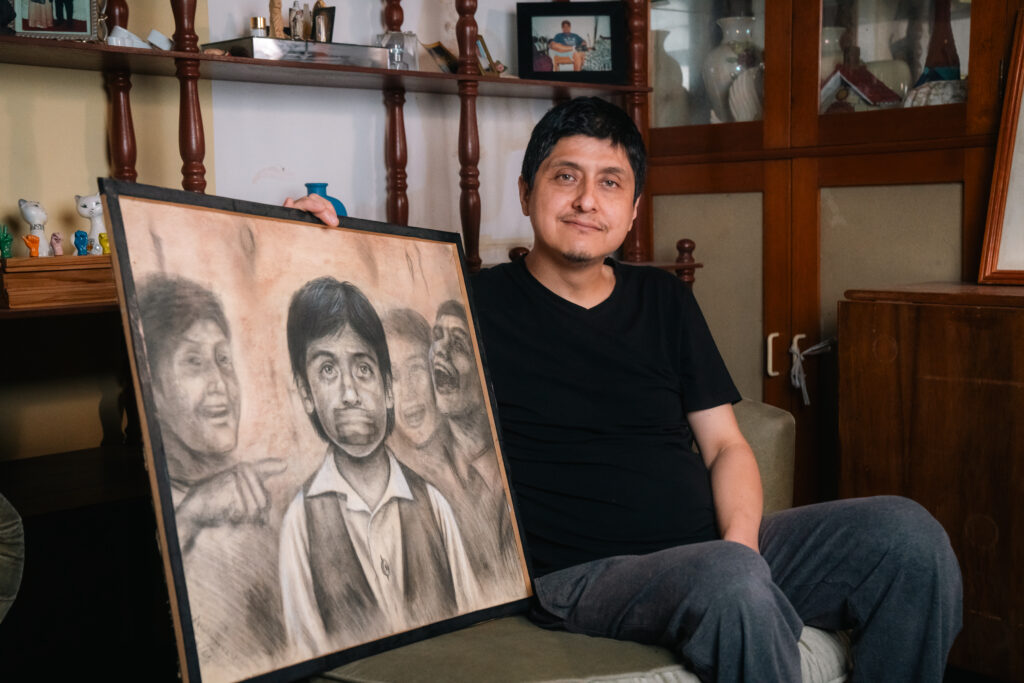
[
  {"x": 6, "y": 239},
  {"x": 321, "y": 189},
  {"x": 82, "y": 242}
]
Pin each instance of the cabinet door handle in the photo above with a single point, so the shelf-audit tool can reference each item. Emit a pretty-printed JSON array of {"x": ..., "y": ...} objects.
[{"x": 770, "y": 369}]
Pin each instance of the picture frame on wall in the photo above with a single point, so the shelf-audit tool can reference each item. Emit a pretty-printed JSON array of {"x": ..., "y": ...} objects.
[
  {"x": 291, "y": 383},
  {"x": 1002, "y": 258},
  {"x": 58, "y": 19},
  {"x": 583, "y": 42}
]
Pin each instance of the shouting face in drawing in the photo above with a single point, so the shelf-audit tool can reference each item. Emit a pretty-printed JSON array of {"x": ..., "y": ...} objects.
[{"x": 456, "y": 381}]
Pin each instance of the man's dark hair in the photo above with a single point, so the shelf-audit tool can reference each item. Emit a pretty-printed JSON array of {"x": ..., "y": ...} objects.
[
  {"x": 595, "y": 118},
  {"x": 324, "y": 307},
  {"x": 168, "y": 306}
]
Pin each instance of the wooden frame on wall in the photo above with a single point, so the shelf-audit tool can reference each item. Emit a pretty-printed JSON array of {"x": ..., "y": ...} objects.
[
  {"x": 1002, "y": 257},
  {"x": 271, "y": 376}
]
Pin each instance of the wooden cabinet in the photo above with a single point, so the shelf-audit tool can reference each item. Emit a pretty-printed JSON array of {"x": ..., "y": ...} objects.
[
  {"x": 932, "y": 407},
  {"x": 794, "y": 152}
]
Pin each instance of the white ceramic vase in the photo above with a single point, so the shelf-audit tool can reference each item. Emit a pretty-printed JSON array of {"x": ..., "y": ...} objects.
[
  {"x": 671, "y": 99},
  {"x": 831, "y": 54},
  {"x": 735, "y": 54}
]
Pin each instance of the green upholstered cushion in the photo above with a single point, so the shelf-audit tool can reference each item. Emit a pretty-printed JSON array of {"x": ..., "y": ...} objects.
[{"x": 513, "y": 650}]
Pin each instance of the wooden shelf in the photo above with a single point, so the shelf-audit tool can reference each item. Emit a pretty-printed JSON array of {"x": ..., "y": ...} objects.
[{"x": 100, "y": 57}]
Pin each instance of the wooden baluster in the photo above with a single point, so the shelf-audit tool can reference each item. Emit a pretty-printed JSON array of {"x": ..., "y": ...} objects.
[
  {"x": 393, "y": 15},
  {"x": 191, "y": 140},
  {"x": 395, "y": 153},
  {"x": 118, "y": 82},
  {"x": 639, "y": 244},
  {"x": 469, "y": 136},
  {"x": 687, "y": 266},
  {"x": 395, "y": 157}
]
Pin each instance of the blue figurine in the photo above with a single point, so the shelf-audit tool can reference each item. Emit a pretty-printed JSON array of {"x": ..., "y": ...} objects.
[{"x": 82, "y": 242}]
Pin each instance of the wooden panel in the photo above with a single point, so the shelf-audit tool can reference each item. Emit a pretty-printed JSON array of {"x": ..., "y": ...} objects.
[
  {"x": 717, "y": 138},
  {"x": 57, "y": 281},
  {"x": 930, "y": 408},
  {"x": 805, "y": 309},
  {"x": 777, "y": 264},
  {"x": 705, "y": 178},
  {"x": 935, "y": 166},
  {"x": 777, "y": 56}
]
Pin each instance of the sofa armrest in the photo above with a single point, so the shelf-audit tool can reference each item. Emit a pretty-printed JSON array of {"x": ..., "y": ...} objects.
[{"x": 771, "y": 433}]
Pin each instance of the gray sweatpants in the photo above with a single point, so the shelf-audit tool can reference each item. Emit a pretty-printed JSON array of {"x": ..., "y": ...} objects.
[{"x": 882, "y": 567}]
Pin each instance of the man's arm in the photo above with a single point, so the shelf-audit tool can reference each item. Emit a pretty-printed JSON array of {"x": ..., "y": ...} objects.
[{"x": 735, "y": 480}]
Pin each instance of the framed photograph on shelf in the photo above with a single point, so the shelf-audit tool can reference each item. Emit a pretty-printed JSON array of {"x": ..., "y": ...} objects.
[
  {"x": 483, "y": 55},
  {"x": 1002, "y": 256},
  {"x": 289, "y": 382},
  {"x": 443, "y": 57},
  {"x": 60, "y": 19},
  {"x": 583, "y": 42}
]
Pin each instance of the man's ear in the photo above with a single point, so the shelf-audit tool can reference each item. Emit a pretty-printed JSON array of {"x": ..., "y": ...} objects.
[
  {"x": 524, "y": 196},
  {"x": 636, "y": 207}
]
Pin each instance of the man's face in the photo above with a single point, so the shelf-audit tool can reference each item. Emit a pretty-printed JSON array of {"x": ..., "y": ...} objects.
[
  {"x": 566, "y": 26},
  {"x": 456, "y": 382},
  {"x": 415, "y": 408},
  {"x": 581, "y": 205},
  {"x": 196, "y": 391},
  {"x": 347, "y": 391}
]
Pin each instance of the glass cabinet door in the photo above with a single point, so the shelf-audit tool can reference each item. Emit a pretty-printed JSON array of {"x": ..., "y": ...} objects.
[
  {"x": 707, "y": 61},
  {"x": 886, "y": 54}
]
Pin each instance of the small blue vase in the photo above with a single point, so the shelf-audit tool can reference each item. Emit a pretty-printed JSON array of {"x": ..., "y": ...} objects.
[{"x": 321, "y": 189}]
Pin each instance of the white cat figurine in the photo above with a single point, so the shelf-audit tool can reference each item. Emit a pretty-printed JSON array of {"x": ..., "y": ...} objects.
[
  {"x": 90, "y": 206},
  {"x": 35, "y": 216}
]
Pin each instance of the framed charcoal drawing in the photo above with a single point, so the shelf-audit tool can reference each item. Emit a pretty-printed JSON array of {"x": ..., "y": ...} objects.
[
  {"x": 583, "y": 42},
  {"x": 320, "y": 434},
  {"x": 1002, "y": 257},
  {"x": 61, "y": 19}
]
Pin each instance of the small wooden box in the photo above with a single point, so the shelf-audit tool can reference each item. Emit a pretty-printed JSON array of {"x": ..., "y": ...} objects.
[{"x": 57, "y": 281}]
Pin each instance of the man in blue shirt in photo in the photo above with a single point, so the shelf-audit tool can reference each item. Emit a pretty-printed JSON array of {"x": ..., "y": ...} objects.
[{"x": 568, "y": 42}]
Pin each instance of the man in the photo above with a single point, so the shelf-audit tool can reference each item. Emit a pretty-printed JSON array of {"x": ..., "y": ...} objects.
[
  {"x": 602, "y": 372},
  {"x": 368, "y": 548},
  {"x": 568, "y": 42},
  {"x": 220, "y": 503}
]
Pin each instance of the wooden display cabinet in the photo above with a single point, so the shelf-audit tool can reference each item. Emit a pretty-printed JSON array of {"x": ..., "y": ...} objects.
[
  {"x": 931, "y": 395},
  {"x": 794, "y": 152}
]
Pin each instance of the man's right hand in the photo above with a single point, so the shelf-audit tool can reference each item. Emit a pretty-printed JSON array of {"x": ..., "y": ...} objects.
[{"x": 316, "y": 205}]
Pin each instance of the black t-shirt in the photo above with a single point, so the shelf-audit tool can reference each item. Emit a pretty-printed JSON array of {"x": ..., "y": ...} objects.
[{"x": 592, "y": 405}]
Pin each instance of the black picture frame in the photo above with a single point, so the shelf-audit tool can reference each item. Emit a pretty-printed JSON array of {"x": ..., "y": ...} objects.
[
  {"x": 600, "y": 25},
  {"x": 241, "y": 294}
]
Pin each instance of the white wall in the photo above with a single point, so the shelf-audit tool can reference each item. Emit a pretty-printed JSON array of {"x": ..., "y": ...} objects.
[{"x": 269, "y": 140}]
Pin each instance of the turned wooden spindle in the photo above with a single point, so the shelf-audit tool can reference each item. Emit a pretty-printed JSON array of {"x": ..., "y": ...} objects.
[
  {"x": 639, "y": 244},
  {"x": 118, "y": 83},
  {"x": 469, "y": 136},
  {"x": 687, "y": 265},
  {"x": 395, "y": 151},
  {"x": 393, "y": 15},
  {"x": 121, "y": 137},
  {"x": 396, "y": 157},
  {"x": 191, "y": 139},
  {"x": 516, "y": 253}
]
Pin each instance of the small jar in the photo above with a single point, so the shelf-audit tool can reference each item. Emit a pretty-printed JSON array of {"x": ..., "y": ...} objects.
[{"x": 258, "y": 27}]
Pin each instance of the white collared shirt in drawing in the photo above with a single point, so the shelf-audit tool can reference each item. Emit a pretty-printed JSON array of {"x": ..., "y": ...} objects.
[{"x": 377, "y": 537}]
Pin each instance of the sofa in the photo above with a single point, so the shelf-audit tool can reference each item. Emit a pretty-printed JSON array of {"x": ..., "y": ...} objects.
[{"x": 513, "y": 650}]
